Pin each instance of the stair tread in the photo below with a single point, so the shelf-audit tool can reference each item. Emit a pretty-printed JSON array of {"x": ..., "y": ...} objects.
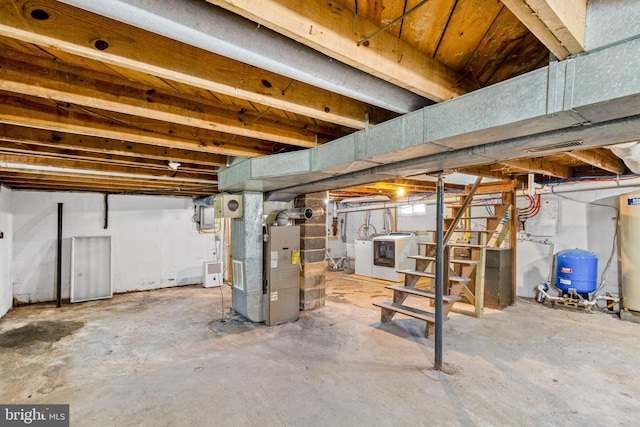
[
  {"x": 458, "y": 245},
  {"x": 433, "y": 275},
  {"x": 422, "y": 292},
  {"x": 452, "y": 260},
  {"x": 468, "y": 231},
  {"x": 408, "y": 311}
]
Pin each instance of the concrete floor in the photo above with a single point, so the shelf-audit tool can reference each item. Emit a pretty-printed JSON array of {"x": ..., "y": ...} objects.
[{"x": 165, "y": 358}]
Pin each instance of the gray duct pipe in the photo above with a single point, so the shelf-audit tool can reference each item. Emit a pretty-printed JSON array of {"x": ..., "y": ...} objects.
[
  {"x": 216, "y": 30},
  {"x": 282, "y": 217}
]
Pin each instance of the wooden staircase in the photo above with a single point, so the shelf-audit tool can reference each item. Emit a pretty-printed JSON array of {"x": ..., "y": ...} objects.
[{"x": 464, "y": 258}]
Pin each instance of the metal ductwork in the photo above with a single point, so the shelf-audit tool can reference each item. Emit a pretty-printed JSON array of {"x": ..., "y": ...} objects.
[
  {"x": 282, "y": 217},
  {"x": 216, "y": 30}
]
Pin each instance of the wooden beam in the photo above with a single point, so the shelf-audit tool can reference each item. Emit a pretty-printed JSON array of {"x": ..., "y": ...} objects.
[
  {"x": 42, "y": 139},
  {"x": 483, "y": 171},
  {"x": 601, "y": 158},
  {"x": 23, "y": 182},
  {"x": 55, "y": 153},
  {"x": 74, "y": 31},
  {"x": 558, "y": 24},
  {"x": 46, "y": 160},
  {"x": 36, "y": 113},
  {"x": 334, "y": 30},
  {"x": 52, "y": 80},
  {"x": 541, "y": 166},
  {"x": 77, "y": 177}
]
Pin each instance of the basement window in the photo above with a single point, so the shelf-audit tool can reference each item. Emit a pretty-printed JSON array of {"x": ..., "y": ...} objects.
[{"x": 413, "y": 210}]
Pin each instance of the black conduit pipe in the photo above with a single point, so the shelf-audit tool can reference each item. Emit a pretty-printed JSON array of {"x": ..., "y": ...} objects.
[{"x": 59, "y": 267}]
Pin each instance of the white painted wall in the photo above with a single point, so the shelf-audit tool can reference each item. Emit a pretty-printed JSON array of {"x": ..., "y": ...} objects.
[
  {"x": 588, "y": 222},
  {"x": 155, "y": 243},
  {"x": 6, "y": 228}
]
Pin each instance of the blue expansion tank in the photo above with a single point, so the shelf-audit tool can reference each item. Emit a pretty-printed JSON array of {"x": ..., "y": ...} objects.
[{"x": 576, "y": 269}]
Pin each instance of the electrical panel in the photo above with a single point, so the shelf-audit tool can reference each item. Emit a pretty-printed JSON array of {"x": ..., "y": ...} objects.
[
  {"x": 206, "y": 218},
  {"x": 228, "y": 206}
]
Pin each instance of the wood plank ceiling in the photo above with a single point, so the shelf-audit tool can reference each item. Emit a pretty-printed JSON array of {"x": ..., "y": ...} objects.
[{"x": 91, "y": 104}]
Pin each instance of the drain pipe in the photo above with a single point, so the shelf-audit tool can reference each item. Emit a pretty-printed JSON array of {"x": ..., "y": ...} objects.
[{"x": 211, "y": 28}]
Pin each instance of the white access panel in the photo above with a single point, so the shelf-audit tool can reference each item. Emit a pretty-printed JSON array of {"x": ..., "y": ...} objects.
[
  {"x": 91, "y": 268},
  {"x": 364, "y": 258},
  {"x": 212, "y": 274}
]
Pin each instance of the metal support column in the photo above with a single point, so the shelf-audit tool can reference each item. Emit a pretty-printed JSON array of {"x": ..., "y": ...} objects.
[{"x": 439, "y": 270}]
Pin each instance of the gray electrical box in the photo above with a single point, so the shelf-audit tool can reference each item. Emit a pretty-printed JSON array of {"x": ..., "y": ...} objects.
[{"x": 282, "y": 273}]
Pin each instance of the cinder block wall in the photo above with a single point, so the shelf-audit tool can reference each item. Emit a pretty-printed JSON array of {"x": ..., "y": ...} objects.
[{"x": 312, "y": 235}]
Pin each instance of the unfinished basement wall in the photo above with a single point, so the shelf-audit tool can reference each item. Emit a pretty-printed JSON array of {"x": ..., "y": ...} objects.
[
  {"x": 583, "y": 218},
  {"x": 6, "y": 247},
  {"x": 155, "y": 243}
]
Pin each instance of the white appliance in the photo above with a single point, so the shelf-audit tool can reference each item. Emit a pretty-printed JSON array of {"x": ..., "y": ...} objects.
[
  {"x": 391, "y": 253},
  {"x": 629, "y": 250},
  {"x": 364, "y": 258},
  {"x": 212, "y": 274}
]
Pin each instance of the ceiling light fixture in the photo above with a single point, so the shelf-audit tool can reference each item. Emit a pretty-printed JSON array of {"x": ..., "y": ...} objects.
[{"x": 174, "y": 165}]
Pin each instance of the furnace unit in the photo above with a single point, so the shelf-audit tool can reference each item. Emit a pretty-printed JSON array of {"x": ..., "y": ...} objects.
[
  {"x": 282, "y": 273},
  {"x": 391, "y": 253}
]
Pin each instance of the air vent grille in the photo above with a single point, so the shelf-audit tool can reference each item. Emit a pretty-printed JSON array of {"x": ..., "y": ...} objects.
[
  {"x": 237, "y": 277},
  {"x": 556, "y": 146}
]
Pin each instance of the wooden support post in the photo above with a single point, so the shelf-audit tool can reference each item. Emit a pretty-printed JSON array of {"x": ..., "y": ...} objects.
[{"x": 480, "y": 269}]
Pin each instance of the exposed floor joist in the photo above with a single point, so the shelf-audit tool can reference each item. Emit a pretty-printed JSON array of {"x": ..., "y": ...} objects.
[
  {"x": 601, "y": 158},
  {"x": 52, "y": 80},
  {"x": 539, "y": 165},
  {"x": 335, "y": 31},
  {"x": 15, "y": 137},
  {"x": 73, "y": 31},
  {"x": 559, "y": 24}
]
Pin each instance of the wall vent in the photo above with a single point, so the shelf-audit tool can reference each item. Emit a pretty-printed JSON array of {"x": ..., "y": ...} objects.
[
  {"x": 237, "y": 277},
  {"x": 556, "y": 146}
]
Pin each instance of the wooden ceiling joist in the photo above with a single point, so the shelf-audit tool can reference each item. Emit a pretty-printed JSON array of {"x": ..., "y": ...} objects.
[
  {"x": 51, "y": 80},
  {"x": 539, "y": 165},
  {"x": 99, "y": 166},
  {"x": 335, "y": 31},
  {"x": 559, "y": 24},
  {"x": 54, "y": 153},
  {"x": 17, "y": 136},
  {"x": 103, "y": 187},
  {"x": 601, "y": 158},
  {"x": 74, "y": 31},
  {"x": 37, "y": 113},
  {"x": 45, "y": 177}
]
